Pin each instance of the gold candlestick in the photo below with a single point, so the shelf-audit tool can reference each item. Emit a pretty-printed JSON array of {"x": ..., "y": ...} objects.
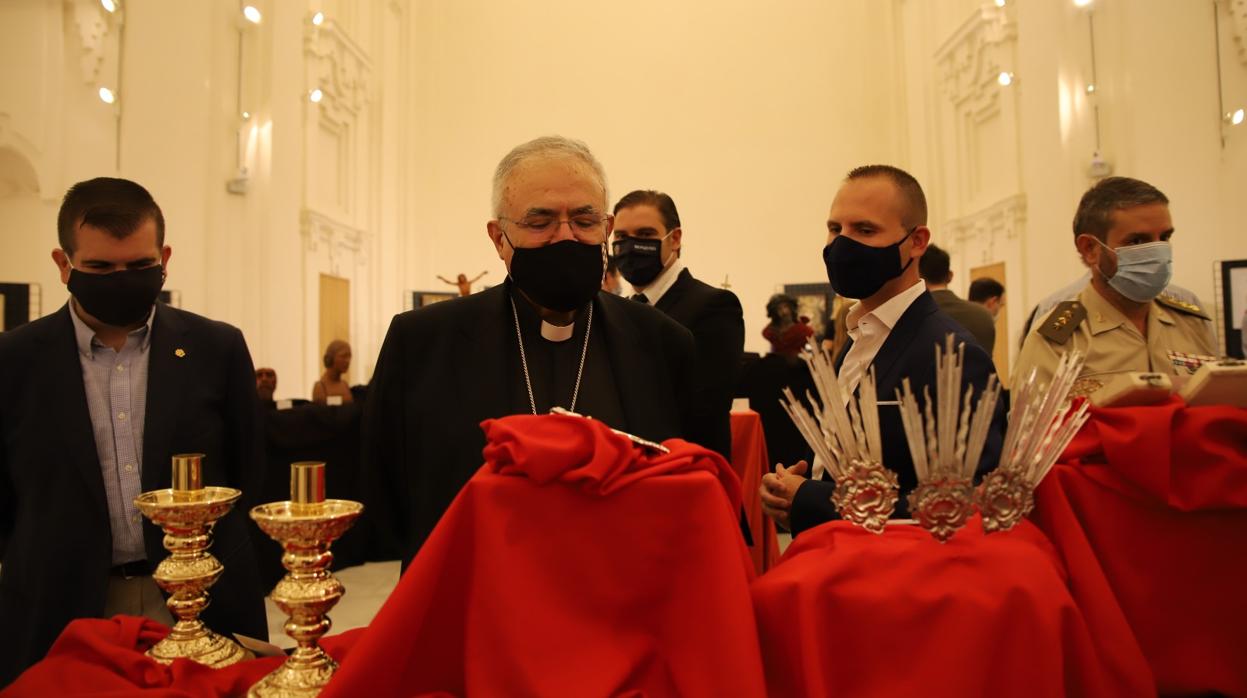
[
  {"x": 186, "y": 512},
  {"x": 305, "y": 526}
]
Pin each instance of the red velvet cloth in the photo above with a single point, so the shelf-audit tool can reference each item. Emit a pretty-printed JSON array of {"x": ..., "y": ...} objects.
[
  {"x": 104, "y": 658},
  {"x": 850, "y": 613},
  {"x": 1150, "y": 505},
  {"x": 573, "y": 565},
  {"x": 750, "y": 461}
]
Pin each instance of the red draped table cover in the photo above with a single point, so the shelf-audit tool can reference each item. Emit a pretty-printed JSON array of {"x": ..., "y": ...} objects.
[
  {"x": 847, "y": 612},
  {"x": 750, "y": 461},
  {"x": 1150, "y": 507}
]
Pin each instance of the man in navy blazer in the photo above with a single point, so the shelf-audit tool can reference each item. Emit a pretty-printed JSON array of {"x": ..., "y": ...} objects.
[
  {"x": 876, "y": 233},
  {"x": 97, "y": 398},
  {"x": 648, "y": 243}
]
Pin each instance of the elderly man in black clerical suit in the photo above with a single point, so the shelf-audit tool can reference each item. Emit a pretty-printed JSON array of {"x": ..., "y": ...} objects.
[
  {"x": 647, "y": 244},
  {"x": 98, "y": 396},
  {"x": 876, "y": 233},
  {"x": 546, "y": 337}
]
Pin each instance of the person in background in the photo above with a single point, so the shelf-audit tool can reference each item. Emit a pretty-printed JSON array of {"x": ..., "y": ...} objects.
[
  {"x": 1123, "y": 321},
  {"x": 988, "y": 293},
  {"x": 265, "y": 384},
  {"x": 787, "y": 332},
  {"x": 648, "y": 242},
  {"x": 764, "y": 382},
  {"x": 936, "y": 271},
  {"x": 1070, "y": 292},
  {"x": 333, "y": 381}
]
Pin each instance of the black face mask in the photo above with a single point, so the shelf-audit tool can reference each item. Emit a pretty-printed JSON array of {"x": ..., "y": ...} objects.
[
  {"x": 857, "y": 270},
  {"x": 120, "y": 298},
  {"x": 562, "y": 276},
  {"x": 639, "y": 259}
]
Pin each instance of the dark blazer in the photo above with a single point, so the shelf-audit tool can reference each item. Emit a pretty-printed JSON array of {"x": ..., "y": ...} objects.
[
  {"x": 972, "y": 316},
  {"x": 55, "y": 538},
  {"x": 445, "y": 368},
  {"x": 908, "y": 352},
  {"x": 715, "y": 318}
]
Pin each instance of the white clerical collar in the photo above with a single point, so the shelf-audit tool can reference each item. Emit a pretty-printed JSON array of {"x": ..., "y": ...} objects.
[
  {"x": 557, "y": 333},
  {"x": 661, "y": 283}
]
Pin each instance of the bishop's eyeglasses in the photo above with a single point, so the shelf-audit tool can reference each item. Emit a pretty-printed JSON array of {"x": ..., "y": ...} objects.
[{"x": 584, "y": 226}]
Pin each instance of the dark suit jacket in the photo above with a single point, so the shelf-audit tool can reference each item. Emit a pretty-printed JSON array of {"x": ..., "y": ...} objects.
[
  {"x": 715, "y": 318},
  {"x": 445, "y": 368},
  {"x": 972, "y": 316},
  {"x": 55, "y": 537},
  {"x": 908, "y": 352}
]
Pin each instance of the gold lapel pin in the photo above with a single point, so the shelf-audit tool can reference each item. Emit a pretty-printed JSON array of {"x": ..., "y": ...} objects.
[{"x": 179, "y": 352}]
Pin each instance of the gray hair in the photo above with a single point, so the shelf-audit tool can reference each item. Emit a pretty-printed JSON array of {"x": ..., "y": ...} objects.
[{"x": 545, "y": 146}]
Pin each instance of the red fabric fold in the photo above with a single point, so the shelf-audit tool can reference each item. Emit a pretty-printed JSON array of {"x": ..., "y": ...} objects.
[
  {"x": 573, "y": 564},
  {"x": 1156, "y": 515},
  {"x": 587, "y": 454},
  {"x": 750, "y": 461},
  {"x": 1187, "y": 458},
  {"x": 850, "y": 613},
  {"x": 105, "y": 658}
]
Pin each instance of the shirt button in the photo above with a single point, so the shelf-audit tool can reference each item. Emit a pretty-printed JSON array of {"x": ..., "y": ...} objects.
[
  {"x": 120, "y": 368},
  {"x": 129, "y": 467},
  {"x": 135, "y": 518},
  {"x": 121, "y": 415}
]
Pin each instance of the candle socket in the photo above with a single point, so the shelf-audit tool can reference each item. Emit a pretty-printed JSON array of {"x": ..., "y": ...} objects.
[
  {"x": 188, "y": 472},
  {"x": 307, "y": 482}
]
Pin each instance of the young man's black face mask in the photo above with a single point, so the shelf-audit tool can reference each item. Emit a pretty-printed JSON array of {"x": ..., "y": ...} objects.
[{"x": 119, "y": 298}]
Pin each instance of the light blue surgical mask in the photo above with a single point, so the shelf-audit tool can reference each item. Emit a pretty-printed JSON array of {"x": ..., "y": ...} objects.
[{"x": 1143, "y": 271}]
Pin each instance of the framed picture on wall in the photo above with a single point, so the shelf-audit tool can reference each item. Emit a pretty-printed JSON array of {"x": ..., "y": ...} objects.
[
  {"x": 1234, "y": 306},
  {"x": 171, "y": 298},
  {"x": 419, "y": 299},
  {"x": 20, "y": 303},
  {"x": 814, "y": 301}
]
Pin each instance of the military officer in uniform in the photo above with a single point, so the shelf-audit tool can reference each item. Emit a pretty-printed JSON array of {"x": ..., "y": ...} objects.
[{"x": 1123, "y": 321}]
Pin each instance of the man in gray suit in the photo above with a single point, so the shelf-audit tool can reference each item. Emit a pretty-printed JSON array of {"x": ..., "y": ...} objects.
[{"x": 935, "y": 270}]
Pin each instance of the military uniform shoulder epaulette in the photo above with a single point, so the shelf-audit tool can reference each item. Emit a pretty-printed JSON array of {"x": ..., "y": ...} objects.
[
  {"x": 1060, "y": 324},
  {"x": 1182, "y": 306}
]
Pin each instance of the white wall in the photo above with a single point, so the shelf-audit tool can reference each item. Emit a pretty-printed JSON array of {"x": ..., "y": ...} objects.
[{"x": 747, "y": 113}]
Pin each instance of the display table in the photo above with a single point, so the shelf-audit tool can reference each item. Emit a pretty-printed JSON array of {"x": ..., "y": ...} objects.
[
  {"x": 749, "y": 460},
  {"x": 1150, "y": 506},
  {"x": 847, "y": 612},
  {"x": 570, "y": 565}
]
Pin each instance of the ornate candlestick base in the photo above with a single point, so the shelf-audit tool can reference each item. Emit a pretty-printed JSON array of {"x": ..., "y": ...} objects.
[
  {"x": 308, "y": 590},
  {"x": 187, "y": 516}
]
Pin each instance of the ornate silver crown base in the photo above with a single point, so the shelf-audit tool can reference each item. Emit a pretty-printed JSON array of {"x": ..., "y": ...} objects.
[
  {"x": 942, "y": 506},
  {"x": 1005, "y": 499},
  {"x": 867, "y": 495}
]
